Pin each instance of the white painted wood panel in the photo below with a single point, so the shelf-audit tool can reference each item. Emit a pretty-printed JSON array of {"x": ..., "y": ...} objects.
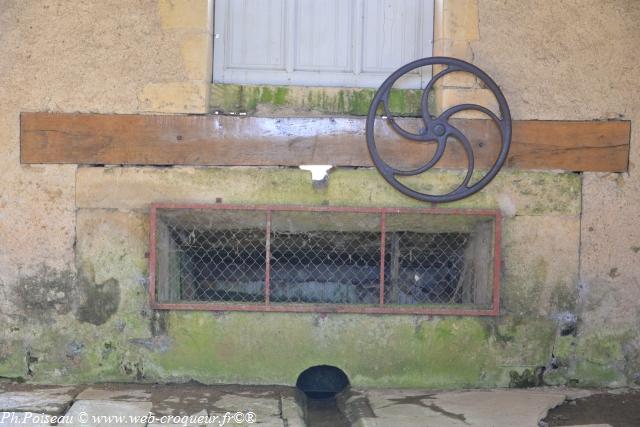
[
  {"x": 320, "y": 42},
  {"x": 391, "y": 34},
  {"x": 255, "y": 34},
  {"x": 323, "y": 35}
]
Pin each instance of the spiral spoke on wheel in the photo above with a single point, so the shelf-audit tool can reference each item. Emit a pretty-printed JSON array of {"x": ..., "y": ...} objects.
[
  {"x": 455, "y": 132},
  {"x": 439, "y": 129},
  {"x": 424, "y": 100},
  {"x": 396, "y": 127},
  {"x": 442, "y": 144},
  {"x": 462, "y": 107}
]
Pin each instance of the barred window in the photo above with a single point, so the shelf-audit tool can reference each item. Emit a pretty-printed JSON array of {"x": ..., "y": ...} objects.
[{"x": 281, "y": 258}]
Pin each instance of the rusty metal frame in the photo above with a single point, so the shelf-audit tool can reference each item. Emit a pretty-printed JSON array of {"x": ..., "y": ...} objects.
[{"x": 381, "y": 308}]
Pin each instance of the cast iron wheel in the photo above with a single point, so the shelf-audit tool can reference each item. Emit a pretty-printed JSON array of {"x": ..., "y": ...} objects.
[{"x": 439, "y": 130}]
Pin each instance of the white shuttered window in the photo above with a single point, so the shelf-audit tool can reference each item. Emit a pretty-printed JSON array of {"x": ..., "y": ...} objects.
[{"x": 355, "y": 43}]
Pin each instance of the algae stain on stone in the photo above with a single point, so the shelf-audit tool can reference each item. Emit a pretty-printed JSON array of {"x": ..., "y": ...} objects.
[
  {"x": 323, "y": 100},
  {"x": 280, "y": 96},
  {"x": 601, "y": 359},
  {"x": 563, "y": 298},
  {"x": 526, "y": 379},
  {"x": 46, "y": 293},
  {"x": 100, "y": 303},
  {"x": 266, "y": 95},
  {"x": 258, "y": 348}
]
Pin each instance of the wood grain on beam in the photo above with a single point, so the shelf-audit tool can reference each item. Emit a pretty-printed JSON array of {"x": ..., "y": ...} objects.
[{"x": 260, "y": 141}]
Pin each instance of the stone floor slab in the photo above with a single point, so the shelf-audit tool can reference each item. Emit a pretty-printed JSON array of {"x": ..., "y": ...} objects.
[
  {"x": 179, "y": 400},
  {"x": 265, "y": 407},
  {"x": 29, "y": 398},
  {"x": 116, "y": 392},
  {"x": 496, "y": 408},
  {"x": 592, "y": 425},
  {"x": 24, "y": 419},
  {"x": 198, "y": 419},
  {"x": 265, "y": 422},
  {"x": 94, "y": 413},
  {"x": 292, "y": 412}
]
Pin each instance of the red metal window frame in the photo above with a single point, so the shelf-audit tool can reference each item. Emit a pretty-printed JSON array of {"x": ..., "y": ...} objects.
[{"x": 381, "y": 308}]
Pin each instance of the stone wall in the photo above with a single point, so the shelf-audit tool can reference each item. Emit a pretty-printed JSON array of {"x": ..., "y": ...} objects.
[
  {"x": 112, "y": 56},
  {"x": 73, "y": 263},
  {"x": 578, "y": 60}
]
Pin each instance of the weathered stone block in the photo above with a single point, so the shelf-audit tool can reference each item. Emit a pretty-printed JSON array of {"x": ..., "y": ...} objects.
[
  {"x": 185, "y": 14},
  {"x": 197, "y": 55},
  {"x": 541, "y": 261},
  {"x": 459, "y": 20},
  {"x": 176, "y": 97},
  {"x": 526, "y": 193}
]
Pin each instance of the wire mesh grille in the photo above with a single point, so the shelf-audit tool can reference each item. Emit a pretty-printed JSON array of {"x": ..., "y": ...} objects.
[
  {"x": 325, "y": 267},
  {"x": 425, "y": 268},
  {"x": 298, "y": 257},
  {"x": 205, "y": 257}
]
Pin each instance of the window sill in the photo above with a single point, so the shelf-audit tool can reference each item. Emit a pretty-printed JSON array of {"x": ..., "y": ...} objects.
[{"x": 307, "y": 100}]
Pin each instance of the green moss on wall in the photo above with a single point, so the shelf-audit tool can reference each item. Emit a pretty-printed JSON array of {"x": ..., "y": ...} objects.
[
  {"x": 402, "y": 351},
  {"x": 600, "y": 359},
  {"x": 229, "y": 98},
  {"x": 13, "y": 363},
  {"x": 563, "y": 298}
]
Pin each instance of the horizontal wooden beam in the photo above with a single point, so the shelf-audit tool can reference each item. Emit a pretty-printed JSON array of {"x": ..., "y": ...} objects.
[{"x": 262, "y": 141}]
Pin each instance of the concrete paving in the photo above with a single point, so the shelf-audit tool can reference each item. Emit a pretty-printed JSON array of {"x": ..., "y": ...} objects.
[{"x": 274, "y": 406}]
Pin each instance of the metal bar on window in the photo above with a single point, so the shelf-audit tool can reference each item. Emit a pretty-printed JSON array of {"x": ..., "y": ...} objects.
[
  {"x": 497, "y": 263},
  {"x": 267, "y": 270},
  {"x": 152, "y": 254},
  {"x": 383, "y": 218}
]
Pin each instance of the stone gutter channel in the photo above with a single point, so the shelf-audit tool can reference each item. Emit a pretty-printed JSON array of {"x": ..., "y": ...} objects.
[{"x": 217, "y": 405}]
